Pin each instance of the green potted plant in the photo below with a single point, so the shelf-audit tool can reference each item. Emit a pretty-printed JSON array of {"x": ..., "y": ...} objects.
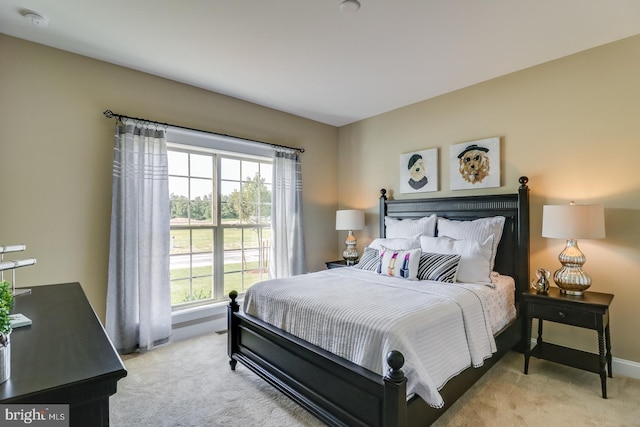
[{"x": 6, "y": 303}]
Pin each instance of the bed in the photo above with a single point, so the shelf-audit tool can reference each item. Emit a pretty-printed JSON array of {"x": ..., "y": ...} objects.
[{"x": 343, "y": 393}]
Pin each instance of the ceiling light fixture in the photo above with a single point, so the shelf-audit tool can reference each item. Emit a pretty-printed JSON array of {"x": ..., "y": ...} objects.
[
  {"x": 350, "y": 6},
  {"x": 35, "y": 18}
]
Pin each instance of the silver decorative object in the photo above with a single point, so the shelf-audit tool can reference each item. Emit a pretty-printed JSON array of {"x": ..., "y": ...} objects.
[{"x": 541, "y": 284}]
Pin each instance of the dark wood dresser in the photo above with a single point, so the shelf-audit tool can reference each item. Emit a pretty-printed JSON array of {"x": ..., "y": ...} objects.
[{"x": 64, "y": 357}]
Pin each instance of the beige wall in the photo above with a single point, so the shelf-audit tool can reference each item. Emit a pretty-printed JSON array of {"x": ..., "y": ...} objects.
[
  {"x": 570, "y": 125},
  {"x": 56, "y": 153}
]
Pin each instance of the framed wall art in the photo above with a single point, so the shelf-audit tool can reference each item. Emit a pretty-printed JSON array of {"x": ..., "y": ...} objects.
[
  {"x": 419, "y": 171},
  {"x": 475, "y": 164}
]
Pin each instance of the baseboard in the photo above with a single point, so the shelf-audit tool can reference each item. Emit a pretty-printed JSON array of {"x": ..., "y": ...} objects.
[
  {"x": 198, "y": 321},
  {"x": 626, "y": 368}
]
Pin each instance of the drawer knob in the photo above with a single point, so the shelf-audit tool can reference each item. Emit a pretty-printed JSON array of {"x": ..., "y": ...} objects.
[{"x": 561, "y": 313}]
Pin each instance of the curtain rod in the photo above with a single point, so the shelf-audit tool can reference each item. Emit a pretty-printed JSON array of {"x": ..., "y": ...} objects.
[{"x": 109, "y": 114}]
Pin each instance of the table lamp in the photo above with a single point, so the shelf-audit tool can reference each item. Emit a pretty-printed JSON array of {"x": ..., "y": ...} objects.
[
  {"x": 572, "y": 222},
  {"x": 350, "y": 219}
]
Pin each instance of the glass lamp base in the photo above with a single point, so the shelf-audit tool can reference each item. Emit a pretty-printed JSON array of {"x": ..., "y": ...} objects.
[
  {"x": 570, "y": 278},
  {"x": 350, "y": 253},
  {"x": 572, "y": 281}
]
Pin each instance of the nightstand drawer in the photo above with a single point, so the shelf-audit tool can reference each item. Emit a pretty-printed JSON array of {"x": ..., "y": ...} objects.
[{"x": 562, "y": 315}]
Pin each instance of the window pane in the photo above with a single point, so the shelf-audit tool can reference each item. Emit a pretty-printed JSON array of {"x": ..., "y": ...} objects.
[
  {"x": 180, "y": 291},
  {"x": 201, "y": 188},
  {"x": 229, "y": 196},
  {"x": 179, "y": 200},
  {"x": 179, "y": 186},
  {"x": 265, "y": 214},
  {"x": 253, "y": 193},
  {"x": 266, "y": 172},
  {"x": 180, "y": 266},
  {"x": 250, "y": 170},
  {"x": 202, "y": 288},
  {"x": 250, "y": 240},
  {"x": 180, "y": 242},
  {"x": 228, "y": 187},
  {"x": 233, "y": 282},
  {"x": 201, "y": 166},
  {"x": 252, "y": 277},
  {"x": 256, "y": 244},
  {"x": 203, "y": 241},
  {"x": 201, "y": 192},
  {"x": 202, "y": 265},
  {"x": 241, "y": 281},
  {"x": 263, "y": 251},
  {"x": 178, "y": 163},
  {"x": 232, "y": 240},
  {"x": 230, "y": 169}
]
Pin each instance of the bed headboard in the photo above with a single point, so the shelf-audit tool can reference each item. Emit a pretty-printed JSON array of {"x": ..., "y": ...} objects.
[{"x": 512, "y": 257}]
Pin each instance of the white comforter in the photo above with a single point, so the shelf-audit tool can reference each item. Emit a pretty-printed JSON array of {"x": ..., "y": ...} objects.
[{"x": 441, "y": 329}]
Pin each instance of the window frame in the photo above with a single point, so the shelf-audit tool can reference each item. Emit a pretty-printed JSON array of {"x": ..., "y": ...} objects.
[{"x": 257, "y": 155}]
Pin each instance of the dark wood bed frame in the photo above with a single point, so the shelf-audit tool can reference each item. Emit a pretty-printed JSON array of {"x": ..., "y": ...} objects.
[{"x": 341, "y": 393}]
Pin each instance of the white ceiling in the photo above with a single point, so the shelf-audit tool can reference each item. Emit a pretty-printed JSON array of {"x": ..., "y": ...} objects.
[{"x": 308, "y": 58}]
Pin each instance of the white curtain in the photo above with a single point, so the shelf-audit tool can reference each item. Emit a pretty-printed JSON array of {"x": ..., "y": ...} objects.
[
  {"x": 287, "y": 237},
  {"x": 138, "y": 294}
]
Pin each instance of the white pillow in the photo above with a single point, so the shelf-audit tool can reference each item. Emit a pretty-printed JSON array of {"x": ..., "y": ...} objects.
[
  {"x": 400, "y": 263},
  {"x": 475, "y": 257},
  {"x": 478, "y": 230},
  {"x": 400, "y": 244},
  {"x": 410, "y": 228}
]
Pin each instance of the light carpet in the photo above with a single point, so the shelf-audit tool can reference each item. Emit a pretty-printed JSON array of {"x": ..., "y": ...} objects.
[{"x": 189, "y": 383}]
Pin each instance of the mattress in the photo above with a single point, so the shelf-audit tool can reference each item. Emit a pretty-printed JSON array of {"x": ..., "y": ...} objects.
[{"x": 441, "y": 329}]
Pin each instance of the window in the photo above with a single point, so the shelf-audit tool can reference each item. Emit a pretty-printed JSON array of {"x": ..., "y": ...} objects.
[{"x": 220, "y": 223}]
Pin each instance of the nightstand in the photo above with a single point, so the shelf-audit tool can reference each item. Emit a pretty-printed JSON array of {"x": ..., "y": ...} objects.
[
  {"x": 590, "y": 311},
  {"x": 337, "y": 264}
]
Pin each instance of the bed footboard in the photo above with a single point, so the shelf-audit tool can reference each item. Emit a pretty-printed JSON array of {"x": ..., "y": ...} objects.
[{"x": 337, "y": 391}]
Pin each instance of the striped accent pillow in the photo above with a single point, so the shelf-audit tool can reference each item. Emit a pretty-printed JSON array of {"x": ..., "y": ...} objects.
[
  {"x": 370, "y": 260},
  {"x": 438, "y": 267}
]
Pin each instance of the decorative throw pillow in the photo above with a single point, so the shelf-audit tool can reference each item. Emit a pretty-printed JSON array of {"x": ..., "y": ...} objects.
[
  {"x": 438, "y": 267},
  {"x": 475, "y": 257},
  {"x": 370, "y": 260},
  {"x": 410, "y": 228},
  {"x": 399, "y": 263},
  {"x": 478, "y": 230},
  {"x": 397, "y": 243}
]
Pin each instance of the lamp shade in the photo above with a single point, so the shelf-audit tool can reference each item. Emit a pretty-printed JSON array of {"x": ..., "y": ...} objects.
[
  {"x": 349, "y": 219},
  {"x": 573, "y": 221}
]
